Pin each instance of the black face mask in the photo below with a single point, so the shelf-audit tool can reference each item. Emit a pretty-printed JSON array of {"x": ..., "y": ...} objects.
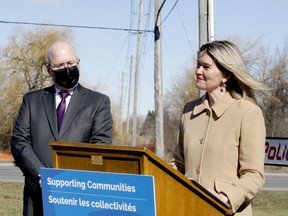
[{"x": 67, "y": 77}]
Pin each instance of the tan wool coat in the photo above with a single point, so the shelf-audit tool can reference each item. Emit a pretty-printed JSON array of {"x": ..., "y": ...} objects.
[{"x": 222, "y": 148}]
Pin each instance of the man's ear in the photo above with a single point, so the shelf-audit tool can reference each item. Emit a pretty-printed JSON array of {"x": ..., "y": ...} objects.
[
  {"x": 49, "y": 70},
  {"x": 47, "y": 66}
]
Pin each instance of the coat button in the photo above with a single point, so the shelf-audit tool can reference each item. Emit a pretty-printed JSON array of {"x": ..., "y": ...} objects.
[
  {"x": 197, "y": 171},
  {"x": 201, "y": 141}
]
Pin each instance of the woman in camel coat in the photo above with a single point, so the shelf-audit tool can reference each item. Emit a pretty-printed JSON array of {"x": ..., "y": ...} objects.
[{"x": 222, "y": 134}]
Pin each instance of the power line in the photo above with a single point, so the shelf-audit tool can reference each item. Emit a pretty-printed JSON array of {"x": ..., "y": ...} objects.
[
  {"x": 75, "y": 26},
  {"x": 145, "y": 39},
  {"x": 115, "y": 61},
  {"x": 95, "y": 27},
  {"x": 158, "y": 13},
  {"x": 169, "y": 12},
  {"x": 156, "y": 28},
  {"x": 187, "y": 36}
]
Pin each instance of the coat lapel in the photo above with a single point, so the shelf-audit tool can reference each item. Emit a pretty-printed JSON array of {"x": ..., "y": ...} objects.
[
  {"x": 74, "y": 105},
  {"x": 218, "y": 108},
  {"x": 202, "y": 105},
  {"x": 50, "y": 109},
  {"x": 226, "y": 102}
]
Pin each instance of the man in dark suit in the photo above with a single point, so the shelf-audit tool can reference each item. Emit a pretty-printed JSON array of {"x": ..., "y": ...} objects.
[{"x": 87, "y": 118}]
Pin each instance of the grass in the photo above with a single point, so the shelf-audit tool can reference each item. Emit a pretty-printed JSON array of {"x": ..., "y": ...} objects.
[
  {"x": 266, "y": 203},
  {"x": 11, "y": 198}
]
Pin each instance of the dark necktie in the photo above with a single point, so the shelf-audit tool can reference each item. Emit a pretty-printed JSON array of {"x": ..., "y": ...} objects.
[{"x": 61, "y": 108}]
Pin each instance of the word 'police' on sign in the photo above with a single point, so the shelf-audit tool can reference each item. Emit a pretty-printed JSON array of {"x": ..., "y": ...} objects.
[
  {"x": 75, "y": 192},
  {"x": 276, "y": 151}
]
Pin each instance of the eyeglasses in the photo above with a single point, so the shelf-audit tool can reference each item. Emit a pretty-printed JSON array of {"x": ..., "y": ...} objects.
[{"x": 64, "y": 65}]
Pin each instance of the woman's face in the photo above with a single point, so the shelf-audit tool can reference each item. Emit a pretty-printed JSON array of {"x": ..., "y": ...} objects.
[{"x": 208, "y": 76}]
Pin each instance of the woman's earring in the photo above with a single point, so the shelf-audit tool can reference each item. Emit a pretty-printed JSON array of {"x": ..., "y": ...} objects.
[{"x": 223, "y": 87}]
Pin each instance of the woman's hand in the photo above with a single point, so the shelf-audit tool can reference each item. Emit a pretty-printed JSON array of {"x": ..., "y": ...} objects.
[{"x": 220, "y": 195}]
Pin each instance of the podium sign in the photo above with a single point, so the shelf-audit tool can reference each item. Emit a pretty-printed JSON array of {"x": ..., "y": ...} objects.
[{"x": 75, "y": 192}]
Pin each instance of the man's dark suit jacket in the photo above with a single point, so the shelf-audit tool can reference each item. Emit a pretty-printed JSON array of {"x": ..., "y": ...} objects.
[{"x": 88, "y": 119}]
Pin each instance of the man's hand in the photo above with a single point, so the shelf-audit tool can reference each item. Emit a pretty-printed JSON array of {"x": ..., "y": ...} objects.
[{"x": 39, "y": 180}]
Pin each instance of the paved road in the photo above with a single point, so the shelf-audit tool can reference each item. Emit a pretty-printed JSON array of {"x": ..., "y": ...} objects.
[
  {"x": 10, "y": 173},
  {"x": 274, "y": 181}
]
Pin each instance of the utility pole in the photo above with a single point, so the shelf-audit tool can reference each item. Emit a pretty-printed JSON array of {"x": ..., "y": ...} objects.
[
  {"x": 211, "y": 21},
  {"x": 203, "y": 22},
  {"x": 206, "y": 24},
  {"x": 128, "y": 106},
  {"x": 121, "y": 107},
  {"x": 134, "y": 129},
  {"x": 158, "y": 95},
  {"x": 206, "y": 21}
]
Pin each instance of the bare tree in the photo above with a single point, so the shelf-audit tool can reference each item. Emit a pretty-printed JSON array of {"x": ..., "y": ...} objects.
[
  {"x": 147, "y": 136},
  {"x": 276, "y": 103},
  {"x": 26, "y": 54},
  {"x": 22, "y": 69},
  {"x": 10, "y": 100},
  {"x": 251, "y": 51}
]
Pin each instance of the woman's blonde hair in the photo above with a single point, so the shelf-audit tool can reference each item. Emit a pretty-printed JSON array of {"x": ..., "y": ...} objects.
[{"x": 229, "y": 61}]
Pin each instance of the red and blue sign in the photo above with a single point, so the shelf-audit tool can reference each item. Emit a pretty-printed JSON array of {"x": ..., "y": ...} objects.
[{"x": 75, "y": 192}]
